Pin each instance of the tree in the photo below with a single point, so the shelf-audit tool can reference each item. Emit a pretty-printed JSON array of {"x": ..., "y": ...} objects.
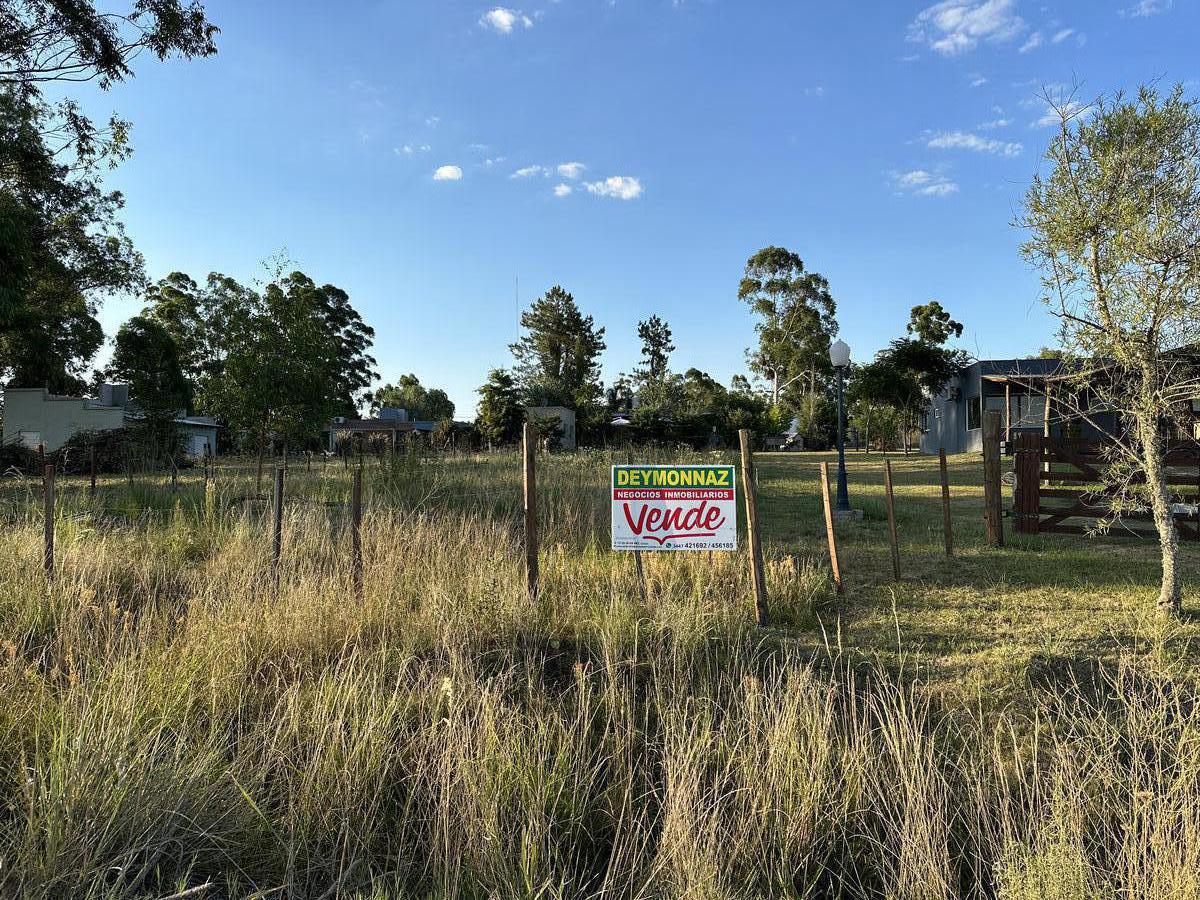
[
  {"x": 656, "y": 350},
  {"x": 500, "y": 410},
  {"x": 558, "y": 359},
  {"x": 62, "y": 247},
  {"x": 277, "y": 363},
  {"x": 1115, "y": 229},
  {"x": 930, "y": 323},
  {"x": 343, "y": 338},
  {"x": 423, "y": 404},
  {"x": 796, "y": 323},
  {"x": 70, "y": 40},
  {"x": 147, "y": 357},
  {"x": 903, "y": 376}
]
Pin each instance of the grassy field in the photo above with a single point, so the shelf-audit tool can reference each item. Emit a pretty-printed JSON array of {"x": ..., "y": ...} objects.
[{"x": 173, "y": 716}]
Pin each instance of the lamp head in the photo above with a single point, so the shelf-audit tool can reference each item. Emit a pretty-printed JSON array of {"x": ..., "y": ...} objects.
[{"x": 839, "y": 354}]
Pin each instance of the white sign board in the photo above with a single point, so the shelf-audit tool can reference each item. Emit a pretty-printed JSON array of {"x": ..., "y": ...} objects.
[{"x": 658, "y": 508}]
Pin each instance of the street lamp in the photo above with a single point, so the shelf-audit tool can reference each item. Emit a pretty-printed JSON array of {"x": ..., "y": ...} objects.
[{"x": 839, "y": 355}]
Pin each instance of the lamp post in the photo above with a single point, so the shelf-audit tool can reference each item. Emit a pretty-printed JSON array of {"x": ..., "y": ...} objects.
[{"x": 839, "y": 355}]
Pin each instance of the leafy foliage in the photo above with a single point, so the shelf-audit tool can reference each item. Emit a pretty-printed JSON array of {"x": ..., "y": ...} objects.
[
  {"x": 657, "y": 348},
  {"x": 931, "y": 323},
  {"x": 283, "y": 361},
  {"x": 1115, "y": 228},
  {"x": 558, "y": 359},
  {"x": 500, "y": 410},
  {"x": 423, "y": 404},
  {"x": 146, "y": 356},
  {"x": 62, "y": 247},
  {"x": 796, "y": 323}
]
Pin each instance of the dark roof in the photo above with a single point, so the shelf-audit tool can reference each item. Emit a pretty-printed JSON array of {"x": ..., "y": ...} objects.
[{"x": 372, "y": 425}]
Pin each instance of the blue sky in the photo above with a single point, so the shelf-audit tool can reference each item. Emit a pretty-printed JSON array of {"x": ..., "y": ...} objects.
[{"x": 425, "y": 154}]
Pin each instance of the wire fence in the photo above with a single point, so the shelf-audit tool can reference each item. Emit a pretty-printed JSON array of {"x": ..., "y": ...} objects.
[{"x": 572, "y": 506}]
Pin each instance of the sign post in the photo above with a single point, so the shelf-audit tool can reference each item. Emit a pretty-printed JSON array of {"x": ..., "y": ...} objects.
[{"x": 673, "y": 508}]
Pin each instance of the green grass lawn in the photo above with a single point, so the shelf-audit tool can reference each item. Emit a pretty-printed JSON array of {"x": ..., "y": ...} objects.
[{"x": 985, "y": 622}]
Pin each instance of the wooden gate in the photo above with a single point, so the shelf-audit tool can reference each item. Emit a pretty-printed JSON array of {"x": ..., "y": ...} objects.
[{"x": 1067, "y": 473}]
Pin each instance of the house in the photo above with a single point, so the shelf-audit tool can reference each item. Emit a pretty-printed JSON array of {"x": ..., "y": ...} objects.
[
  {"x": 1017, "y": 389},
  {"x": 389, "y": 427},
  {"x": 35, "y": 417}
]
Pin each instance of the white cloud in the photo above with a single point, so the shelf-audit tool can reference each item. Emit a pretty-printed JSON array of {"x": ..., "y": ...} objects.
[
  {"x": 1146, "y": 8},
  {"x": 571, "y": 170},
  {"x": 1035, "y": 40},
  {"x": 504, "y": 20},
  {"x": 817, "y": 91},
  {"x": 957, "y": 26},
  {"x": 620, "y": 187},
  {"x": 1060, "y": 36},
  {"x": 977, "y": 80},
  {"x": 529, "y": 172},
  {"x": 563, "y": 190},
  {"x": 962, "y": 140},
  {"x": 923, "y": 184},
  {"x": 410, "y": 149},
  {"x": 994, "y": 124},
  {"x": 448, "y": 173}
]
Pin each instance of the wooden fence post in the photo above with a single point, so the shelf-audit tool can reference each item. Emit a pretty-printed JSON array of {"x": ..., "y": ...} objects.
[
  {"x": 528, "y": 452},
  {"x": 1028, "y": 476},
  {"x": 750, "y": 488},
  {"x": 277, "y": 520},
  {"x": 356, "y": 554},
  {"x": 993, "y": 497},
  {"x": 891, "y": 517},
  {"x": 945, "y": 473},
  {"x": 48, "y": 519},
  {"x": 830, "y": 534},
  {"x": 92, "y": 471}
]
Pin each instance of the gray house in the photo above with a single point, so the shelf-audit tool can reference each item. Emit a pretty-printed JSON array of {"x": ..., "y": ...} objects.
[
  {"x": 36, "y": 418},
  {"x": 1018, "y": 389}
]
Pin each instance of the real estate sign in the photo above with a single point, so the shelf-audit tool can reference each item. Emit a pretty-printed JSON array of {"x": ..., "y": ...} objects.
[{"x": 674, "y": 508}]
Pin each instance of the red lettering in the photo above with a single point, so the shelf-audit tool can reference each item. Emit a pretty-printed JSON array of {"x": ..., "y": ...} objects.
[{"x": 699, "y": 520}]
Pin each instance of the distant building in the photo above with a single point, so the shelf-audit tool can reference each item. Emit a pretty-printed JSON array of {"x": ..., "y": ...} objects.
[
  {"x": 390, "y": 426},
  {"x": 545, "y": 415},
  {"x": 34, "y": 417},
  {"x": 1015, "y": 388}
]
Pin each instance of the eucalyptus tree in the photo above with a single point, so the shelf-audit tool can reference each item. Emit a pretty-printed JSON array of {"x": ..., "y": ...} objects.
[
  {"x": 62, "y": 245},
  {"x": 796, "y": 323}
]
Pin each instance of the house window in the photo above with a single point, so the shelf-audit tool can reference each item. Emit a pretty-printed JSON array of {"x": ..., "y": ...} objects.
[
  {"x": 923, "y": 421},
  {"x": 974, "y": 412},
  {"x": 1028, "y": 411}
]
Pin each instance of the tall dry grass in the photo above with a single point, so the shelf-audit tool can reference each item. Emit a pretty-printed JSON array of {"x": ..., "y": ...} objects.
[{"x": 172, "y": 715}]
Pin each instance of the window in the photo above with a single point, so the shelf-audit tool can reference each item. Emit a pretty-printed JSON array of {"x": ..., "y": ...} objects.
[
  {"x": 923, "y": 420},
  {"x": 1028, "y": 411},
  {"x": 974, "y": 412}
]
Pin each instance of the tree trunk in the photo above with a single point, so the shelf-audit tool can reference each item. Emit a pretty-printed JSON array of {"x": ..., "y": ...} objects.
[{"x": 1169, "y": 595}]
